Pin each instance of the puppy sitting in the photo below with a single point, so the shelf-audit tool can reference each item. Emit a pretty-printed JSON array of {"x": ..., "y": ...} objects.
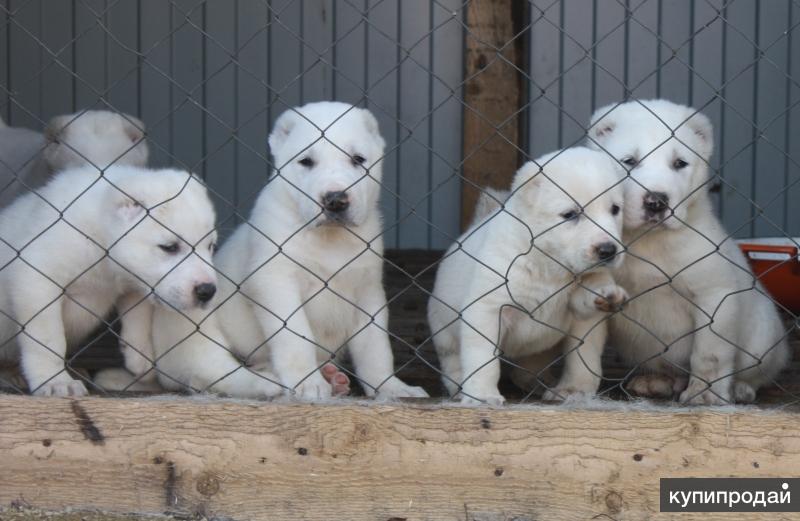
[
  {"x": 511, "y": 285},
  {"x": 95, "y": 137},
  {"x": 696, "y": 312},
  {"x": 87, "y": 243},
  {"x": 302, "y": 279}
]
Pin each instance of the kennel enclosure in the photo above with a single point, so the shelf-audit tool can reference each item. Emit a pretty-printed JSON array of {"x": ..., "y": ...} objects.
[{"x": 464, "y": 92}]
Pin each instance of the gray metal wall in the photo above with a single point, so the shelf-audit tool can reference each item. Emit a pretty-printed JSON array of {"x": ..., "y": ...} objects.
[
  {"x": 717, "y": 65},
  {"x": 195, "y": 72},
  {"x": 199, "y": 73}
]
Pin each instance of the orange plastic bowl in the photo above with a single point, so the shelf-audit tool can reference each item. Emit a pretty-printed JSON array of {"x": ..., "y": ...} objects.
[{"x": 775, "y": 263}]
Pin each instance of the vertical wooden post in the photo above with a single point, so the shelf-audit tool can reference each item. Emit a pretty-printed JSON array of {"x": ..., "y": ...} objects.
[{"x": 493, "y": 95}]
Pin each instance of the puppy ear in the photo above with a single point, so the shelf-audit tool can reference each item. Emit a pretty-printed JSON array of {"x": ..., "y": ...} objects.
[
  {"x": 701, "y": 126},
  {"x": 128, "y": 209},
  {"x": 54, "y": 127},
  {"x": 134, "y": 128},
  {"x": 602, "y": 124},
  {"x": 283, "y": 127},
  {"x": 528, "y": 178},
  {"x": 372, "y": 126}
]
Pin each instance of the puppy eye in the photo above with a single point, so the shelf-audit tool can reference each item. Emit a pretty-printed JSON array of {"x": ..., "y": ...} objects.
[
  {"x": 679, "y": 164},
  {"x": 212, "y": 248},
  {"x": 630, "y": 161},
  {"x": 570, "y": 215},
  {"x": 614, "y": 209},
  {"x": 358, "y": 159},
  {"x": 170, "y": 248},
  {"x": 307, "y": 162}
]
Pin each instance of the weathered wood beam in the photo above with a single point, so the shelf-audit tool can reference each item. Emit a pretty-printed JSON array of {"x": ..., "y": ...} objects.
[{"x": 377, "y": 462}]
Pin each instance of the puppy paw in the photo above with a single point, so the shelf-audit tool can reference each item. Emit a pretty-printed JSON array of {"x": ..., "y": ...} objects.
[
  {"x": 743, "y": 392},
  {"x": 140, "y": 366},
  {"x": 340, "y": 382},
  {"x": 485, "y": 399},
  {"x": 652, "y": 386},
  {"x": 610, "y": 298},
  {"x": 58, "y": 386},
  {"x": 559, "y": 394},
  {"x": 699, "y": 392},
  {"x": 396, "y": 388},
  {"x": 312, "y": 388}
]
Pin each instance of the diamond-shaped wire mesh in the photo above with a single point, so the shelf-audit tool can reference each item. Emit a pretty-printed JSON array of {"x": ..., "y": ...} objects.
[{"x": 509, "y": 221}]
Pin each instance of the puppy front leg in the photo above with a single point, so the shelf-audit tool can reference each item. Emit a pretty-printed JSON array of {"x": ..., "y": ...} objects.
[
  {"x": 279, "y": 309},
  {"x": 372, "y": 352},
  {"x": 43, "y": 348},
  {"x": 479, "y": 352},
  {"x": 136, "y": 338},
  {"x": 582, "y": 360},
  {"x": 714, "y": 350}
]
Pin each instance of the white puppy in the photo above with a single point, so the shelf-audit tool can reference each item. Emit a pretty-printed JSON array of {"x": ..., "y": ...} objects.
[
  {"x": 99, "y": 242},
  {"x": 696, "y": 312},
  {"x": 511, "y": 284},
  {"x": 94, "y": 137},
  {"x": 303, "y": 278}
]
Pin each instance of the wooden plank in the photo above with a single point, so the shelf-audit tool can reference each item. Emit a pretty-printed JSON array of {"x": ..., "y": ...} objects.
[
  {"x": 492, "y": 93},
  {"x": 270, "y": 461}
]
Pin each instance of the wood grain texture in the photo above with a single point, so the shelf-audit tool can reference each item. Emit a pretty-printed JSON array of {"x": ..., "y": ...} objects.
[
  {"x": 377, "y": 462},
  {"x": 493, "y": 98}
]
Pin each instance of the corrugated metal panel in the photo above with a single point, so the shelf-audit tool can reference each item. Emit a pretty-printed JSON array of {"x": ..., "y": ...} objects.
[
  {"x": 701, "y": 53},
  {"x": 210, "y": 78},
  {"x": 199, "y": 74}
]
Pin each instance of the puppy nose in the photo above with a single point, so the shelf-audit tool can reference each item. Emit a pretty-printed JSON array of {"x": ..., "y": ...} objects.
[
  {"x": 606, "y": 250},
  {"x": 205, "y": 291},
  {"x": 336, "y": 202},
  {"x": 656, "y": 202}
]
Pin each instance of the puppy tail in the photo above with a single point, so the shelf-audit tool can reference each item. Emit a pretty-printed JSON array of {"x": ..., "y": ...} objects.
[{"x": 118, "y": 379}]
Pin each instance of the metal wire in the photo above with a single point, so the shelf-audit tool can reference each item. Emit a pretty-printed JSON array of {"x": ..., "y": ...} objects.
[{"x": 414, "y": 356}]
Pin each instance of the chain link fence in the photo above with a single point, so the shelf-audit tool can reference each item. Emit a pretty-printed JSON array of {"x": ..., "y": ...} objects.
[{"x": 492, "y": 211}]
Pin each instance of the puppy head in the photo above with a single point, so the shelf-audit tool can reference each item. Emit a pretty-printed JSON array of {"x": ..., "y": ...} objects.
[
  {"x": 572, "y": 202},
  {"x": 163, "y": 235},
  {"x": 666, "y": 148},
  {"x": 330, "y": 154},
  {"x": 95, "y": 137}
]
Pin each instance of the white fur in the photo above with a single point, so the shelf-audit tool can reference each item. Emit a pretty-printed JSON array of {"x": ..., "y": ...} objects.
[
  {"x": 308, "y": 285},
  {"x": 695, "y": 313},
  {"x": 95, "y": 244},
  {"x": 95, "y": 137},
  {"x": 512, "y": 282}
]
